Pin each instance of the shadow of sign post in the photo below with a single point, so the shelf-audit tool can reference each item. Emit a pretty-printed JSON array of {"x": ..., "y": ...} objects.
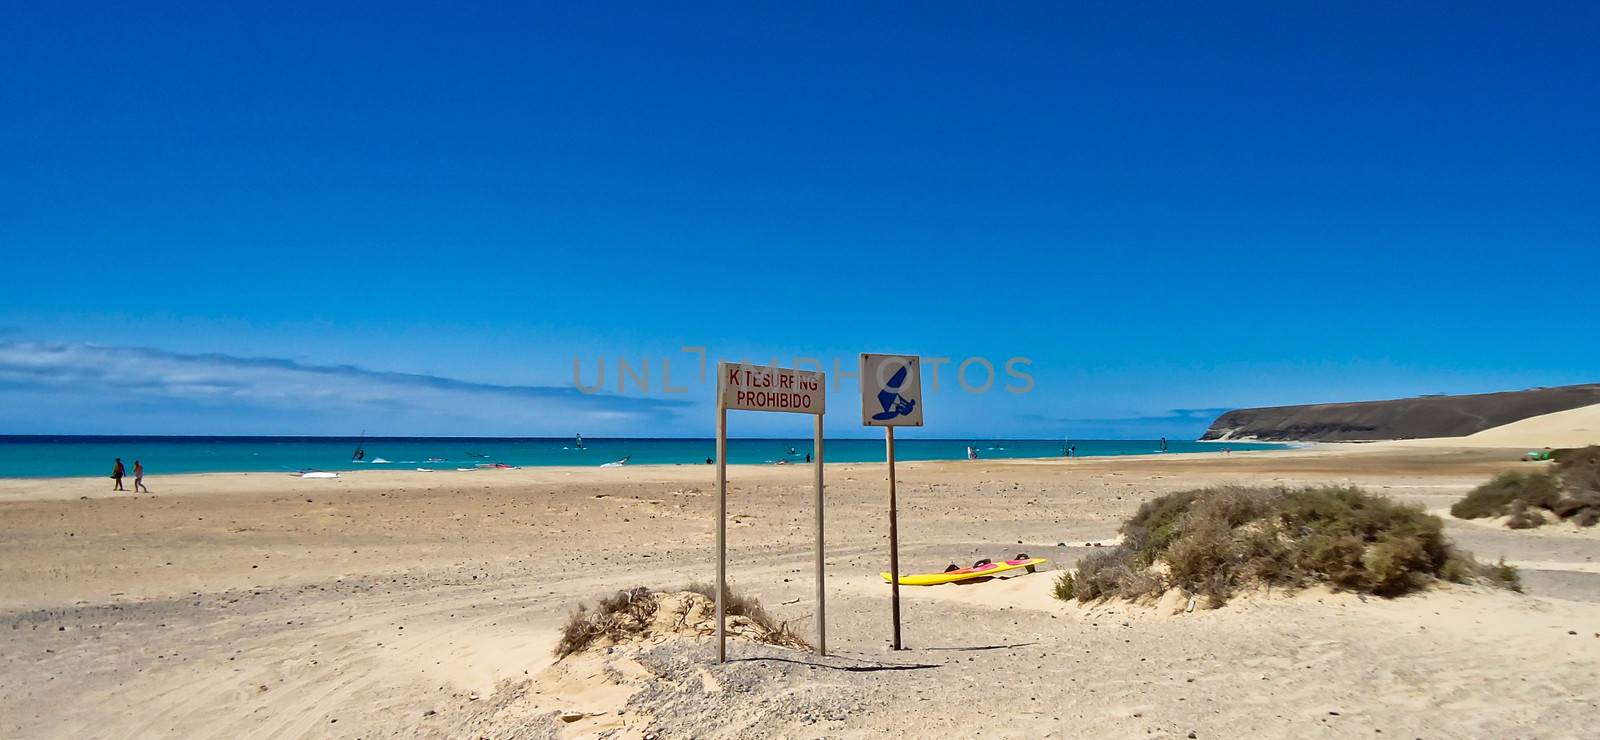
[
  {"x": 742, "y": 387},
  {"x": 891, "y": 396}
]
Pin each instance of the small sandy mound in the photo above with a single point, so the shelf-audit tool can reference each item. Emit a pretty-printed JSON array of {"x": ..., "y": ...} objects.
[{"x": 640, "y": 615}]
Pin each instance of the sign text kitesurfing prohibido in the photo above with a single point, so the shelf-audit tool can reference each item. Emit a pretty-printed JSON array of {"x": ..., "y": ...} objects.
[
  {"x": 742, "y": 387},
  {"x": 763, "y": 388}
]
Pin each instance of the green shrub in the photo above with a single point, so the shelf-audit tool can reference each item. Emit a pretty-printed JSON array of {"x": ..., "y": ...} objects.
[
  {"x": 1497, "y": 497},
  {"x": 1570, "y": 490},
  {"x": 1155, "y": 524},
  {"x": 1066, "y": 586},
  {"x": 1215, "y": 541}
]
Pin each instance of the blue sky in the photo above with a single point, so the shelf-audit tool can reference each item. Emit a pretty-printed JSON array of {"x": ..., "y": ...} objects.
[{"x": 411, "y": 218}]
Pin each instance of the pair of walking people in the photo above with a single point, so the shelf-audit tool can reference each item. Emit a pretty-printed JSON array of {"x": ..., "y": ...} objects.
[{"x": 118, "y": 472}]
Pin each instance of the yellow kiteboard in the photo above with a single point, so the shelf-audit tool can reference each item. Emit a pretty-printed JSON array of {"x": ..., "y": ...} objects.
[{"x": 962, "y": 574}]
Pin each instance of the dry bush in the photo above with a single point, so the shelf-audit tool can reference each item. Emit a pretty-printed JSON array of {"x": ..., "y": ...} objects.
[
  {"x": 629, "y": 613},
  {"x": 1574, "y": 505},
  {"x": 1104, "y": 573},
  {"x": 739, "y": 605},
  {"x": 1502, "y": 574},
  {"x": 615, "y": 616},
  {"x": 1580, "y": 478},
  {"x": 1522, "y": 517},
  {"x": 1580, "y": 469},
  {"x": 1215, "y": 541}
]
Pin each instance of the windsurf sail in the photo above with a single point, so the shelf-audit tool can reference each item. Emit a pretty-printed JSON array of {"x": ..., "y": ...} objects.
[
  {"x": 578, "y": 442},
  {"x": 361, "y": 452}
]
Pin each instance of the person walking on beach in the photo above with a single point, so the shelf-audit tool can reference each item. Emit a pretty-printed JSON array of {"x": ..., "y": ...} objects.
[
  {"x": 138, "y": 477},
  {"x": 116, "y": 476}
]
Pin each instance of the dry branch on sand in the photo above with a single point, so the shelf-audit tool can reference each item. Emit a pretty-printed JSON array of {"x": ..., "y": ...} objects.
[
  {"x": 1213, "y": 542},
  {"x": 639, "y": 613},
  {"x": 1570, "y": 490}
]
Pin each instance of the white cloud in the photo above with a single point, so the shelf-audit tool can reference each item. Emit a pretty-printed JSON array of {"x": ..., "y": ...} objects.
[{"x": 168, "y": 390}]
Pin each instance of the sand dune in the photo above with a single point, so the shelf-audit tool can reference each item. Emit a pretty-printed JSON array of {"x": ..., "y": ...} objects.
[{"x": 1577, "y": 427}]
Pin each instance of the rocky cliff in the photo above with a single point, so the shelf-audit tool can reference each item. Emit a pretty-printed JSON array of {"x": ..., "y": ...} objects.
[{"x": 1404, "y": 418}]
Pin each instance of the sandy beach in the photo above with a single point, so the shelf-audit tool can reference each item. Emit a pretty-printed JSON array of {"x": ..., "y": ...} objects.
[
  {"x": 371, "y": 370},
  {"x": 401, "y": 603}
]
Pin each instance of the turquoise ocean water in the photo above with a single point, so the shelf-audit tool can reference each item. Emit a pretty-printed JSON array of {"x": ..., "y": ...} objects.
[{"x": 40, "y": 456}]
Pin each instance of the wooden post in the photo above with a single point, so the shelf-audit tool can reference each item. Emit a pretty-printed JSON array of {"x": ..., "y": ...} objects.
[
  {"x": 822, "y": 598},
  {"x": 815, "y": 401},
  {"x": 722, "y": 528},
  {"x": 894, "y": 541}
]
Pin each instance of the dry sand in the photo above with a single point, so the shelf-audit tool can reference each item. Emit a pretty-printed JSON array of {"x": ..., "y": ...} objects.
[
  {"x": 396, "y": 603},
  {"x": 1577, "y": 427}
]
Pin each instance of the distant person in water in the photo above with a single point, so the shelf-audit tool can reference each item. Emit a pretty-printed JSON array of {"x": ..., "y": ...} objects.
[
  {"x": 709, "y": 461},
  {"x": 1163, "y": 444},
  {"x": 138, "y": 477},
  {"x": 116, "y": 476},
  {"x": 808, "y": 457}
]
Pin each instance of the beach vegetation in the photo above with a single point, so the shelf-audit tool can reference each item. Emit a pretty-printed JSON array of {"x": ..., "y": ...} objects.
[
  {"x": 1505, "y": 491},
  {"x": 1502, "y": 573},
  {"x": 614, "y": 616},
  {"x": 742, "y": 605},
  {"x": 635, "y": 612},
  {"x": 1569, "y": 490},
  {"x": 1215, "y": 542},
  {"x": 1066, "y": 587}
]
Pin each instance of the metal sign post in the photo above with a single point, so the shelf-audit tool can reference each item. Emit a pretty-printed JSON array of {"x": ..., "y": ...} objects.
[
  {"x": 743, "y": 387},
  {"x": 891, "y": 396}
]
